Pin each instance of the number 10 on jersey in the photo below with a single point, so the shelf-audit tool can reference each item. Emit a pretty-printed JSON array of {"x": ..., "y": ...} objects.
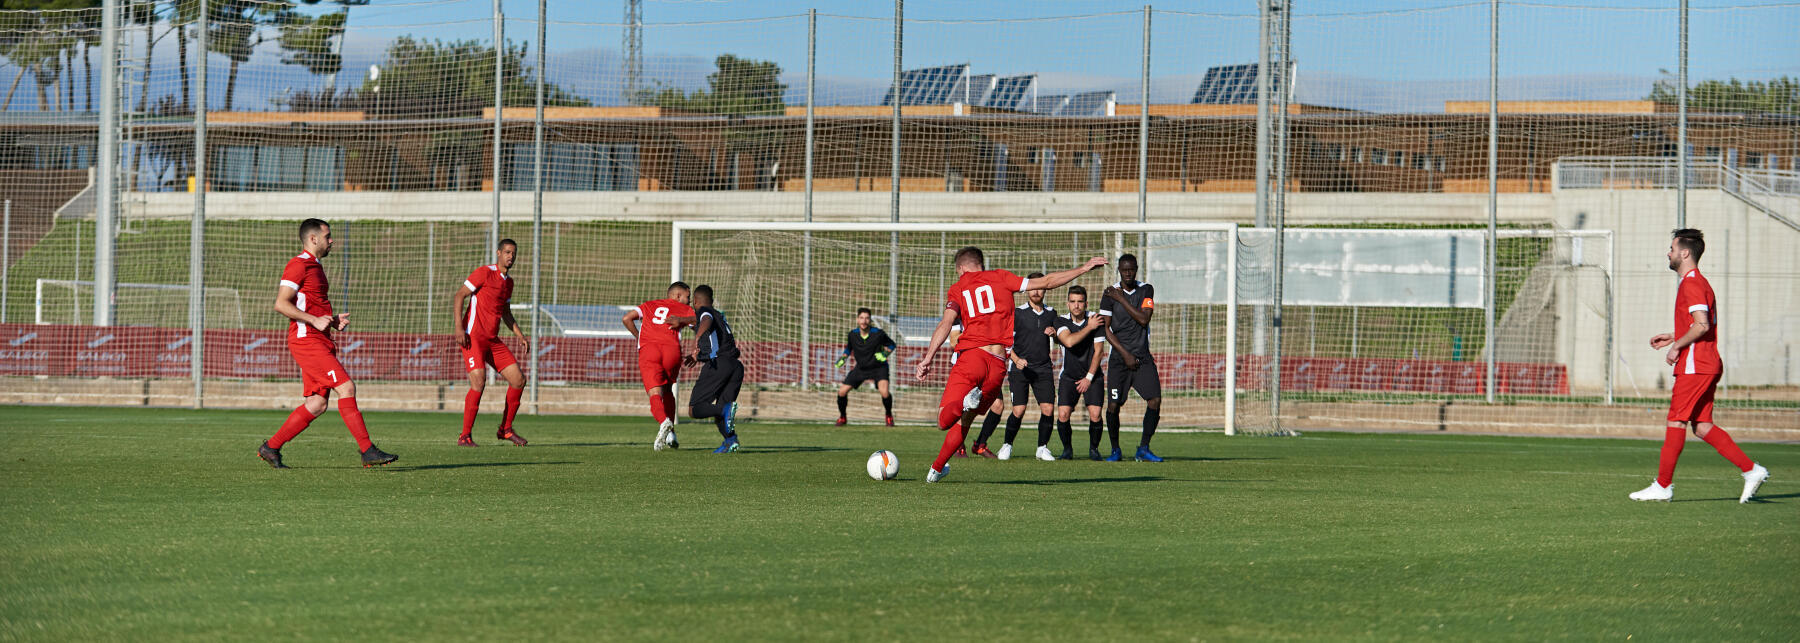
[{"x": 982, "y": 301}]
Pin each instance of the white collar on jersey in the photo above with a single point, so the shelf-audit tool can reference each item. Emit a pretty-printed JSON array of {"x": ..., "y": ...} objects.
[
  {"x": 1121, "y": 286},
  {"x": 496, "y": 268},
  {"x": 304, "y": 255}
]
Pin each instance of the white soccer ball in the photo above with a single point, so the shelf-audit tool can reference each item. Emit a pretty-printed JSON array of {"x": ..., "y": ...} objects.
[{"x": 883, "y": 465}]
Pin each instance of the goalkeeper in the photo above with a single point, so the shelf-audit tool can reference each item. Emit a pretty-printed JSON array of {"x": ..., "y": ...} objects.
[{"x": 871, "y": 348}]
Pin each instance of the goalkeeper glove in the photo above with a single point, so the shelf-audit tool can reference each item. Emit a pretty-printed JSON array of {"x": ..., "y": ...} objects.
[
  {"x": 881, "y": 356},
  {"x": 840, "y": 362}
]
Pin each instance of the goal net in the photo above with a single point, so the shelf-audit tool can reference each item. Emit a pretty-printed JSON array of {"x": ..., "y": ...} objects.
[{"x": 792, "y": 291}]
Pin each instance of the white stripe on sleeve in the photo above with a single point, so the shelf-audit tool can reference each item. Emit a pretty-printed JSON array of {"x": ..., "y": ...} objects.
[
  {"x": 290, "y": 284},
  {"x": 470, "y": 286},
  {"x": 1697, "y": 308}
]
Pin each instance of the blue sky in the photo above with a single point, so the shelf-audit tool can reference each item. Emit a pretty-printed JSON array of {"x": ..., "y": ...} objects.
[{"x": 1384, "y": 55}]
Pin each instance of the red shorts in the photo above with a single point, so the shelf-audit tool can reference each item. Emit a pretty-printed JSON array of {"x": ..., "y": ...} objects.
[
  {"x": 319, "y": 368},
  {"x": 975, "y": 370},
  {"x": 1692, "y": 400},
  {"x": 489, "y": 351},
  {"x": 659, "y": 364}
]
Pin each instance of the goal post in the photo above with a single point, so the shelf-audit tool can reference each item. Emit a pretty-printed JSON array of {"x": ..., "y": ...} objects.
[{"x": 786, "y": 284}]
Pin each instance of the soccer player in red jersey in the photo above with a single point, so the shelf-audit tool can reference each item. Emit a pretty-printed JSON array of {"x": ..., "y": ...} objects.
[
  {"x": 1693, "y": 349},
  {"x": 302, "y": 298},
  {"x": 983, "y": 300},
  {"x": 659, "y": 354},
  {"x": 488, "y": 291}
]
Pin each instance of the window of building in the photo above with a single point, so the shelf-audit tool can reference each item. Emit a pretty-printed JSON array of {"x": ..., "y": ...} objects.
[
  {"x": 277, "y": 168},
  {"x": 1377, "y": 156},
  {"x": 573, "y": 167}
]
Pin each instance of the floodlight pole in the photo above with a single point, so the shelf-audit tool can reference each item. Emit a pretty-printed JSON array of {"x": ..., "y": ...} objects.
[
  {"x": 537, "y": 205},
  {"x": 812, "y": 51},
  {"x": 1257, "y": 329},
  {"x": 105, "y": 212},
  {"x": 1493, "y": 171},
  {"x": 1279, "y": 161},
  {"x": 197, "y": 232}
]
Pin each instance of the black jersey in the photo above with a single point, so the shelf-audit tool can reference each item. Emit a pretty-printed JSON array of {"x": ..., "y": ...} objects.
[
  {"x": 863, "y": 349},
  {"x": 1077, "y": 358},
  {"x": 1132, "y": 336},
  {"x": 718, "y": 342},
  {"x": 1029, "y": 341}
]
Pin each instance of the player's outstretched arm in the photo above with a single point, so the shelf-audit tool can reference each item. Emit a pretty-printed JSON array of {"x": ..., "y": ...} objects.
[
  {"x": 630, "y": 321},
  {"x": 1062, "y": 278},
  {"x": 459, "y": 302},
  {"x": 938, "y": 335},
  {"x": 284, "y": 304}
]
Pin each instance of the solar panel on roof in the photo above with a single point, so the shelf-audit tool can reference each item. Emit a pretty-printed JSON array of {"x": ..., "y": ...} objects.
[
  {"x": 929, "y": 86},
  {"x": 976, "y": 91},
  {"x": 1233, "y": 85},
  {"x": 1087, "y": 104},
  {"x": 1011, "y": 92},
  {"x": 1049, "y": 105}
]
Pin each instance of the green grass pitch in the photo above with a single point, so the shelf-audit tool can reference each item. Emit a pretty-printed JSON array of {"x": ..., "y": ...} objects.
[{"x": 162, "y": 524}]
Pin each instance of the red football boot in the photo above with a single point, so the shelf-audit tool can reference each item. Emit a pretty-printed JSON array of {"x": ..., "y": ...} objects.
[
  {"x": 516, "y": 439},
  {"x": 465, "y": 441}
]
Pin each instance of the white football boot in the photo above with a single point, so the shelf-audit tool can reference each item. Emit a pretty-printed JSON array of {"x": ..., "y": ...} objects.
[
  {"x": 662, "y": 435},
  {"x": 1005, "y": 452},
  {"x": 1655, "y": 492},
  {"x": 1752, "y": 480},
  {"x": 933, "y": 475},
  {"x": 1043, "y": 453}
]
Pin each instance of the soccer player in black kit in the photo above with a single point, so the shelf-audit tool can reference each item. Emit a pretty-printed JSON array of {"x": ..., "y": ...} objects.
[
  {"x": 1032, "y": 372},
  {"x": 721, "y": 375},
  {"x": 870, "y": 347},
  {"x": 1128, "y": 306},
  {"x": 1082, "y": 385}
]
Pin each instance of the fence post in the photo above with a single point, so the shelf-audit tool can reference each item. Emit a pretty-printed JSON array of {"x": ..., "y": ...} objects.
[
  {"x": 5, "y": 259},
  {"x": 812, "y": 51},
  {"x": 1144, "y": 126},
  {"x": 1493, "y": 171},
  {"x": 197, "y": 231},
  {"x": 1683, "y": 159},
  {"x": 107, "y": 161},
  {"x": 537, "y": 203},
  {"x": 499, "y": 79},
  {"x": 894, "y": 167}
]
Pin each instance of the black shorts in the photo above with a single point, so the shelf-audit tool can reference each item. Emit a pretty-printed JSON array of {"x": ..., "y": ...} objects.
[
  {"x": 1039, "y": 380},
  {"x": 1121, "y": 380},
  {"x": 1066, "y": 395},
  {"x": 719, "y": 382},
  {"x": 857, "y": 376}
]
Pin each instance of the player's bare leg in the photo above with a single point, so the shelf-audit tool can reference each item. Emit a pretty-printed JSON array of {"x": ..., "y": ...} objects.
[
  {"x": 472, "y": 405},
  {"x": 515, "y": 391},
  {"x": 887, "y": 400}
]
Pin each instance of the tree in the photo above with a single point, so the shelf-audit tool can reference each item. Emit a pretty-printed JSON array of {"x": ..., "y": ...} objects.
[
  {"x": 739, "y": 86},
  {"x": 434, "y": 79},
  {"x": 1777, "y": 96}
]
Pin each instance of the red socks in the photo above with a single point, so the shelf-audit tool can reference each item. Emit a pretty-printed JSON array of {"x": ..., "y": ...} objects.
[
  {"x": 1722, "y": 441},
  {"x": 354, "y": 421},
  {"x": 1673, "y": 440},
  {"x": 657, "y": 409},
  {"x": 471, "y": 406},
  {"x": 513, "y": 395},
  {"x": 296, "y": 422},
  {"x": 953, "y": 439}
]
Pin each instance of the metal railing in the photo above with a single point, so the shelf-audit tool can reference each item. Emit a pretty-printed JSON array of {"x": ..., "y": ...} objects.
[{"x": 1662, "y": 173}]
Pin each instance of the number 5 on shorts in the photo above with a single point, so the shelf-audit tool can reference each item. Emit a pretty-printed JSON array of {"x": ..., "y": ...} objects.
[{"x": 471, "y": 362}]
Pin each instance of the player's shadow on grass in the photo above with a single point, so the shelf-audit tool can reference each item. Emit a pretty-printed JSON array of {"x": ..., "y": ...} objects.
[
  {"x": 788, "y": 449},
  {"x": 1094, "y": 480},
  {"x": 1177, "y": 458},
  {"x": 465, "y": 465},
  {"x": 1758, "y": 498}
]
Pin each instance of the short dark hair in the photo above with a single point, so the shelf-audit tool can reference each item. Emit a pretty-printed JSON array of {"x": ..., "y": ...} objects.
[
  {"x": 507, "y": 242},
  {"x": 971, "y": 254},
  {"x": 1691, "y": 240},
  {"x": 310, "y": 226},
  {"x": 703, "y": 290},
  {"x": 865, "y": 311},
  {"x": 1078, "y": 290},
  {"x": 1128, "y": 257},
  {"x": 1035, "y": 275},
  {"x": 679, "y": 285}
]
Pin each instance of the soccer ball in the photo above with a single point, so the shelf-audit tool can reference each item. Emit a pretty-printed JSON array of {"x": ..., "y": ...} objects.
[{"x": 883, "y": 465}]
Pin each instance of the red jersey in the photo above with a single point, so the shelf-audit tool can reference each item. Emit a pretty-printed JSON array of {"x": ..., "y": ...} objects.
[
  {"x": 493, "y": 293},
  {"x": 984, "y": 301},
  {"x": 304, "y": 274},
  {"x": 655, "y": 324},
  {"x": 1702, "y": 356}
]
